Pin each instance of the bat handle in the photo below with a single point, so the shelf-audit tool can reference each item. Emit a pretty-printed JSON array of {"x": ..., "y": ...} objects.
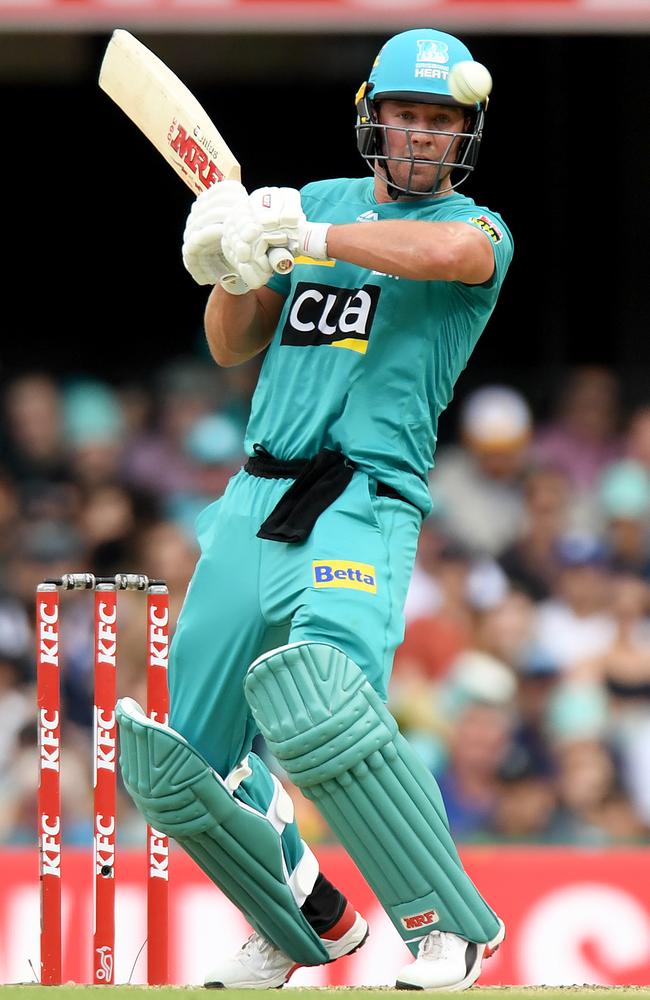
[{"x": 280, "y": 260}]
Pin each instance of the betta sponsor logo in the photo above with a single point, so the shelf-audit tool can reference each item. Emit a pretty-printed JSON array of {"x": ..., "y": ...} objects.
[
  {"x": 424, "y": 919},
  {"x": 325, "y": 315},
  {"x": 342, "y": 573},
  {"x": 489, "y": 227},
  {"x": 195, "y": 158}
]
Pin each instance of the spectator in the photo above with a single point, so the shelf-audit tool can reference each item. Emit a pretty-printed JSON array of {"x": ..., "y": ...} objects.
[
  {"x": 35, "y": 454},
  {"x": 539, "y": 678},
  {"x": 525, "y": 807},
  {"x": 157, "y": 461},
  {"x": 93, "y": 431},
  {"x": 575, "y": 622},
  {"x": 477, "y": 489},
  {"x": 624, "y": 499},
  {"x": 623, "y": 672},
  {"x": 531, "y": 560},
  {"x": 477, "y": 702},
  {"x": 439, "y": 618},
  {"x": 593, "y": 808},
  {"x": 583, "y": 436}
]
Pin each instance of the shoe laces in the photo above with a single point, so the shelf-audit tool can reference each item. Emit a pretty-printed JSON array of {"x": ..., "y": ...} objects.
[
  {"x": 433, "y": 945},
  {"x": 259, "y": 944}
]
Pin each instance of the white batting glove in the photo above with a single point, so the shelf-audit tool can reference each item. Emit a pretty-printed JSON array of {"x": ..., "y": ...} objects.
[
  {"x": 202, "y": 252},
  {"x": 244, "y": 246},
  {"x": 280, "y": 213},
  {"x": 273, "y": 217}
]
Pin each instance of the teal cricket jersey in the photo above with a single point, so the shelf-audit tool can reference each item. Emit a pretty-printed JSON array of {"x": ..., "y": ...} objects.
[{"x": 364, "y": 362}]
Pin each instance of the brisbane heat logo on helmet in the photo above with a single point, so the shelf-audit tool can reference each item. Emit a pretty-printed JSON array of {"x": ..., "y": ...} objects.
[{"x": 432, "y": 59}]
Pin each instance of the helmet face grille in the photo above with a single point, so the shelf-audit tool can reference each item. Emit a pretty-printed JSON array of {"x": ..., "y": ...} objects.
[{"x": 456, "y": 163}]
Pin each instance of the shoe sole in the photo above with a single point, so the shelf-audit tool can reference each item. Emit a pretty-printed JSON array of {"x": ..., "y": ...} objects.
[{"x": 484, "y": 951}]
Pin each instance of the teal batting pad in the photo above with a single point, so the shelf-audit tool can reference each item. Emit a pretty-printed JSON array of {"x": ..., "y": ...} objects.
[
  {"x": 341, "y": 746},
  {"x": 179, "y": 794}
]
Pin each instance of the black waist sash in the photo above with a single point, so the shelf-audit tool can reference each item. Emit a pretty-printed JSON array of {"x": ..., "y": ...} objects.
[{"x": 318, "y": 482}]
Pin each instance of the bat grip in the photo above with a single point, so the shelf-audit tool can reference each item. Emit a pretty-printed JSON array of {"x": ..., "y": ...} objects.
[{"x": 280, "y": 260}]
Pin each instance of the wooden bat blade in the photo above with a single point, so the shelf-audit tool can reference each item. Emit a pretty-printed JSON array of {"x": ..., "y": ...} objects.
[{"x": 166, "y": 112}]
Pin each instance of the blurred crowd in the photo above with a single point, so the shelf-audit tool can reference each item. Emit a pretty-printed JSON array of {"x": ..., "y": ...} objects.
[{"x": 524, "y": 676}]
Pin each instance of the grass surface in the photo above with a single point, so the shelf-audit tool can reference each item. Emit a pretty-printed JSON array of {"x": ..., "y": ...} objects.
[{"x": 33, "y": 991}]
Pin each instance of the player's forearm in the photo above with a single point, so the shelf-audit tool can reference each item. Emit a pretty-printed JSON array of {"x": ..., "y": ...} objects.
[
  {"x": 236, "y": 327},
  {"x": 421, "y": 251}
]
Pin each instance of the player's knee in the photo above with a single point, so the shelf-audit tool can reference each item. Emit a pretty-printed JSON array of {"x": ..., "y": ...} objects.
[{"x": 318, "y": 713}]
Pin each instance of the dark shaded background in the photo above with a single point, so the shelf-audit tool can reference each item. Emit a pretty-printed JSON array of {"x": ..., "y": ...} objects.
[{"x": 96, "y": 283}]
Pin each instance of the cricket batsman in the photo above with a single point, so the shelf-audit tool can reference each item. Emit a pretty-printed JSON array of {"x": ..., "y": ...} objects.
[{"x": 295, "y": 608}]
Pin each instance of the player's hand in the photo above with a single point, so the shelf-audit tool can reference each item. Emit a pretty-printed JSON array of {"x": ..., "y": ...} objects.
[
  {"x": 202, "y": 253},
  {"x": 273, "y": 217},
  {"x": 279, "y": 211},
  {"x": 244, "y": 246}
]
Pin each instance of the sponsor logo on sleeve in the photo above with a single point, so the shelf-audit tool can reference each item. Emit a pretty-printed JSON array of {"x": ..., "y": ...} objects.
[
  {"x": 325, "y": 315},
  {"x": 489, "y": 227},
  {"x": 345, "y": 574}
]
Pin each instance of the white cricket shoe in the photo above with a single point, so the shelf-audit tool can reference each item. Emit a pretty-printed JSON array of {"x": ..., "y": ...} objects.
[
  {"x": 446, "y": 961},
  {"x": 259, "y": 965}
]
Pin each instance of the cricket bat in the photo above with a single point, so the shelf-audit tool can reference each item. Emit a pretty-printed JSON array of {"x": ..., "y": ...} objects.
[{"x": 172, "y": 119}]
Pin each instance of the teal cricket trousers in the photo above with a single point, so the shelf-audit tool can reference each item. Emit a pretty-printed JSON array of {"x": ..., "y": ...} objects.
[{"x": 345, "y": 585}]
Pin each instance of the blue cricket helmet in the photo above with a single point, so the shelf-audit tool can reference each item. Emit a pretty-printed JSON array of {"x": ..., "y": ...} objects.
[{"x": 415, "y": 66}]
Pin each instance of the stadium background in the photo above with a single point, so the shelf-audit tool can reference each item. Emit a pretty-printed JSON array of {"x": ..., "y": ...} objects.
[{"x": 94, "y": 290}]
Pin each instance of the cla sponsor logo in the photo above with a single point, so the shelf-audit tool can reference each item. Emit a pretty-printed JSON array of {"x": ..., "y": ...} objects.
[
  {"x": 416, "y": 920},
  {"x": 195, "y": 152},
  {"x": 432, "y": 59},
  {"x": 369, "y": 216},
  {"x": 341, "y": 573},
  {"x": 489, "y": 228},
  {"x": 331, "y": 316}
]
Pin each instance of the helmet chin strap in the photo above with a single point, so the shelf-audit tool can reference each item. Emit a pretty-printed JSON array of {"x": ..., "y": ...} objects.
[{"x": 393, "y": 192}]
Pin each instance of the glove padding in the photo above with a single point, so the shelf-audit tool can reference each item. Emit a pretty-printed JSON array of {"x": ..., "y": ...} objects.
[
  {"x": 202, "y": 251},
  {"x": 273, "y": 217}
]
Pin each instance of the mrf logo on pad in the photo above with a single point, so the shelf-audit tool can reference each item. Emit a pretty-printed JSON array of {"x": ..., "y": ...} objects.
[
  {"x": 423, "y": 919},
  {"x": 341, "y": 573}
]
